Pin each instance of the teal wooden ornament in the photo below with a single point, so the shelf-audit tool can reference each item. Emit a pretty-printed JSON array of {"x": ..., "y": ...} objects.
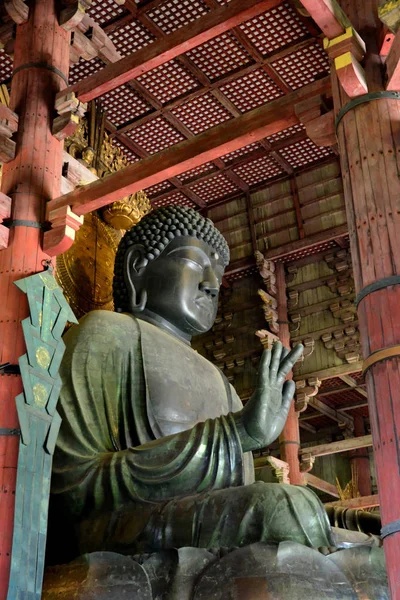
[{"x": 39, "y": 424}]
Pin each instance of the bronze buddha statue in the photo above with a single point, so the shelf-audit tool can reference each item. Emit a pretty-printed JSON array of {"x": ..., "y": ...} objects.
[{"x": 154, "y": 451}]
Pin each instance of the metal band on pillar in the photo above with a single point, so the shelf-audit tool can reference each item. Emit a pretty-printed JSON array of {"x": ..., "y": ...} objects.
[
  {"x": 380, "y": 284},
  {"x": 380, "y": 355},
  {"x": 390, "y": 528},
  {"x": 38, "y": 65},
  {"x": 384, "y": 95}
]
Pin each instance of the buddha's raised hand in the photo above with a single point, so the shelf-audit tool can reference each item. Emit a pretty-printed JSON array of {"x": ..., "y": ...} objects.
[{"x": 261, "y": 421}]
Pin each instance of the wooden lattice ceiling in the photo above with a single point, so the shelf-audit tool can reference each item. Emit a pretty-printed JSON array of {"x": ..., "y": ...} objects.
[{"x": 251, "y": 65}]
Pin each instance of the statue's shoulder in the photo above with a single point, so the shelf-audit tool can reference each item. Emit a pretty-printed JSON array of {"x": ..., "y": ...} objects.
[{"x": 103, "y": 325}]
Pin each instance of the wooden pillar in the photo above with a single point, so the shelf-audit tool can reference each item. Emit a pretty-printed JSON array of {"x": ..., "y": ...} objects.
[
  {"x": 360, "y": 459},
  {"x": 369, "y": 144},
  {"x": 41, "y": 63},
  {"x": 289, "y": 439}
]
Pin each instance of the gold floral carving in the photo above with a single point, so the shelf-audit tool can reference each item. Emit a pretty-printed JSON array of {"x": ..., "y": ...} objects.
[{"x": 43, "y": 357}]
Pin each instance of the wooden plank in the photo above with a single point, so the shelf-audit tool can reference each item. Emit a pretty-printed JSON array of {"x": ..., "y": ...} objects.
[
  {"x": 165, "y": 49},
  {"x": 320, "y": 484},
  {"x": 285, "y": 250},
  {"x": 336, "y": 447},
  {"x": 214, "y": 143},
  {"x": 332, "y": 371},
  {"x": 297, "y": 207},
  {"x": 361, "y": 502}
]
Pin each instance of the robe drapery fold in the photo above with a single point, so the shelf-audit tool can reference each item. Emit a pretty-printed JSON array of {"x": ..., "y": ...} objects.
[{"x": 117, "y": 487}]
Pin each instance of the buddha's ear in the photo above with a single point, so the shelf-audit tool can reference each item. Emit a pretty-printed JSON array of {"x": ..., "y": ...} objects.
[
  {"x": 134, "y": 264},
  {"x": 135, "y": 260}
]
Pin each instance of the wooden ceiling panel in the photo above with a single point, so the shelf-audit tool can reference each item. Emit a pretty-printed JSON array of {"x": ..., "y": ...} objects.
[
  {"x": 83, "y": 68},
  {"x": 169, "y": 81},
  {"x": 201, "y": 113},
  {"x": 304, "y": 66},
  {"x": 197, "y": 171},
  {"x": 304, "y": 153},
  {"x": 173, "y": 14},
  {"x": 158, "y": 189},
  {"x": 131, "y": 37},
  {"x": 214, "y": 187},
  {"x": 286, "y": 133},
  {"x": 260, "y": 169},
  {"x": 5, "y": 66},
  {"x": 175, "y": 198},
  {"x": 275, "y": 29},
  {"x": 130, "y": 155},
  {"x": 103, "y": 11},
  {"x": 251, "y": 90},
  {"x": 123, "y": 104},
  {"x": 155, "y": 135},
  {"x": 220, "y": 56},
  {"x": 246, "y": 150}
]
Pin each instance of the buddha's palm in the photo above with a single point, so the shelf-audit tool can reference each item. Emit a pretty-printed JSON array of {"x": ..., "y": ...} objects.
[{"x": 262, "y": 419}]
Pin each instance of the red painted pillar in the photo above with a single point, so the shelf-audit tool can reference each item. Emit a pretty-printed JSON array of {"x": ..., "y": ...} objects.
[
  {"x": 41, "y": 64},
  {"x": 369, "y": 144},
  {"x": 289, "y": 439},
  {"x": 360, "y": 459}
]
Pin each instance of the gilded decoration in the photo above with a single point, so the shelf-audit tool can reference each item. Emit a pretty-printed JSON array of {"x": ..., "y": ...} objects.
[{"x": 85, "y": 272}]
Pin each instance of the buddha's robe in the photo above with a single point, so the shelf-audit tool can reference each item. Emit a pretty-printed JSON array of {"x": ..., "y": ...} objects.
[{"x": 148, "y": 455}]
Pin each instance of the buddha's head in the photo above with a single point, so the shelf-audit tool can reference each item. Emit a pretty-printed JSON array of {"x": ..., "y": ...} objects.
[{"x": 170, "y": 267}]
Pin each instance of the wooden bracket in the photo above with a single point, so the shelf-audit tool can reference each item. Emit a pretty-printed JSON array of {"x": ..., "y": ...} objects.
[
  {"x": 267, "y": 338},
  {"x": 5, "y": 213},
  {"x": 7, "y": 37},
  {"x": 266, "y": 268},
  {"x": 347, "y": 50},
  {"x": 318, "y": 120},
  {"x": 280, "y": 469},
  {"x": 305, "y": 389},
  {"x": 306, "y": 462},
  {"x": 8, "y": 126},
  {"x": 70, "y": 110},
  {"x": 62, "y": 234},
  {"x": 17, "y": 10},
  {"x": 72, "y": 15},
  {"x": 389, "y": 14}
]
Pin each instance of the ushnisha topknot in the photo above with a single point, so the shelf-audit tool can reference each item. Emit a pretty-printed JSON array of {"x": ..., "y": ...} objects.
[{"x": 155, "y": 231}]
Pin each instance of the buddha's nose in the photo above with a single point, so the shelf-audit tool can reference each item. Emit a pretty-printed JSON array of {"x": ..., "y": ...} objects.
[{"x": 209, "y": 285}]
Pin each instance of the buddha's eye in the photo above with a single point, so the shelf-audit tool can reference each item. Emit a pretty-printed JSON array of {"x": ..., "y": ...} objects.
[{"x": 192, "y": 263}]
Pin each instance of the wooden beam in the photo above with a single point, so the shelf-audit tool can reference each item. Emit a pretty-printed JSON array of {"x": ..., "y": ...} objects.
[
  {"x": 336, "y": 447},
  {"x": 333, "y": 414},
  {"x": 328, "y": 16},
  {"x": 353, "y": 384},
  {"x": 320, "y": 484},
  {"x": 165, "y": 49},
  {"x": 361, "y": 502},
  {"x": 332, "y": 371},
  {"x": 307, "y": 427},
  {"x": 217, "y": 141},
  {"x": 309, "y": 242}
]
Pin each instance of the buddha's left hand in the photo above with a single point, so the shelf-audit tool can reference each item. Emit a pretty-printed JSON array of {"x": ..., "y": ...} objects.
[{"x": 261, "y": 421}]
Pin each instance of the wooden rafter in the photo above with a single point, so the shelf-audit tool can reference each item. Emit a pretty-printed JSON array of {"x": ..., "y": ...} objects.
[
  {"x": 335, "y": 447},
  {"x": 161, "y": 51},
  {"x": 214, "y": 143}
]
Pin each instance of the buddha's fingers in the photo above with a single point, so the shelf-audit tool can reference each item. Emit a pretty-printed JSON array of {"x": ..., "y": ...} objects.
[
  {"x": 289, "y": 388},
  {"x": 263, "y": 369},
  {"x": 288, "y": 362},
  {"x": 275, "y": 359}
]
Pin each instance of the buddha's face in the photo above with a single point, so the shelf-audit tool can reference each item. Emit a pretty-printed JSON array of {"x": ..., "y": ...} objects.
[{"x": 182, "y": 284}]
